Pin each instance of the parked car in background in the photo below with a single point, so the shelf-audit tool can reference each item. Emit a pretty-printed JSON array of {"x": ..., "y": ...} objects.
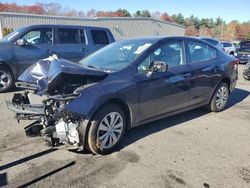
[
  {"x": 243, "y": 53},
  {"x": 213, "y": 42},
  {"x": 121, "y": 86},
  {"x": 27, "y": 45},
  {"x": 246, "y": 71},
  {"x": 229, "y": 48}
]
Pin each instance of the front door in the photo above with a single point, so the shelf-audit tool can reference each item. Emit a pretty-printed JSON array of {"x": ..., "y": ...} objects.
[
  {"x": 164, "y": 92},
  {"x": 38, "y": 45}
]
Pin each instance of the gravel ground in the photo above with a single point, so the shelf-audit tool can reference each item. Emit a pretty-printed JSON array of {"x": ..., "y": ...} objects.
[{"x": 193, "y": 149}]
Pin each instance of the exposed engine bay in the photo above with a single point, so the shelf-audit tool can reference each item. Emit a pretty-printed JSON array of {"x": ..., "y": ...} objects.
[{"x": 50, "y": 85}]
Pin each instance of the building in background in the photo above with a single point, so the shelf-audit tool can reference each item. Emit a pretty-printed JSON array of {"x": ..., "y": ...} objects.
[{"x": 121, "y": 27}]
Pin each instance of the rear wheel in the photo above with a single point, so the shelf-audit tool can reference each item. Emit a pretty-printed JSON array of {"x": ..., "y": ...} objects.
[
  {"x": 220, "y": 98},
  {"x": 6, "y": 79},
  {"x": 106, "y": 130}
]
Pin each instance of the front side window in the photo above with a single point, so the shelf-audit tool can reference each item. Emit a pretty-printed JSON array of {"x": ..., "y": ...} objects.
[
  {"x": 200, "y": 52},
  {"x": 68, "y": 36},
  {"x": 170, "y": 53},
  {"x": 100, "y": 37},
  {"x": 39, "y": 36}
]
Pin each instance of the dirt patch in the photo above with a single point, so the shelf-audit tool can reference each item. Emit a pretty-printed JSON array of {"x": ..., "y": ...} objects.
[
  {"x": 244, "y": 174},
  {"x": 128, "y": 156},
  {"x": 171, "y": 179}
]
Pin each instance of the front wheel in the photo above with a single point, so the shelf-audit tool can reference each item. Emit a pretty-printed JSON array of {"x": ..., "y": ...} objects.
[
  {"x": 107, "y": 129},
  {"x": 220, "y": 98},
  {"x": 6, "y": 79}
]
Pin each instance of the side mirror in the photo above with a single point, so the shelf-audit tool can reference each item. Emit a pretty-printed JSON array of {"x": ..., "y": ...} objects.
[
  {"x": 158, "y": 66},
  {"x": 21, "y": 42}
]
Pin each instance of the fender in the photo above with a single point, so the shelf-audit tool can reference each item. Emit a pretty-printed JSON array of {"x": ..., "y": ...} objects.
[
  {"x": 11, "y": 67},
  {"x": 227, "y": 80}
]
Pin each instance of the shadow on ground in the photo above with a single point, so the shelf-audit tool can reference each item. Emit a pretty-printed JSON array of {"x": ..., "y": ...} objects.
[
  {"x": 237, "y": 96},
  {"x": 133, "y": 135}
]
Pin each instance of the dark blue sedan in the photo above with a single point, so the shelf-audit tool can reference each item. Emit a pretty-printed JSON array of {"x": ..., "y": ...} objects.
[{"x": 121, "y": 86}]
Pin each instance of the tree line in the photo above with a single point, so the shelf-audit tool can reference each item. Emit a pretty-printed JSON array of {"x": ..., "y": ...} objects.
[{"x": 216, "y": 28}]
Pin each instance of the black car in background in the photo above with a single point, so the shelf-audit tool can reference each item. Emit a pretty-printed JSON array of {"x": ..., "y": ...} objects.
[
  {"x": 121, "y": 86},
  {"x": 25, "y": 46},
  {"x": 243, "y": 53}
]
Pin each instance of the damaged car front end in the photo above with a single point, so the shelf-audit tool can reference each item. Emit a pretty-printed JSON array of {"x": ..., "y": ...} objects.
[{"x": 50, "y": 85}]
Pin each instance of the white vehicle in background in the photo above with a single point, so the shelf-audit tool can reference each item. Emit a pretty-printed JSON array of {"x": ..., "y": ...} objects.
[
  {"x": 229, "y": 48},
  {"x": 213, "y": 42}
]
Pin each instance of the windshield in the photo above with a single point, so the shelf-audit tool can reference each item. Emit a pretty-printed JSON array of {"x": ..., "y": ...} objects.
[
  {"x": 116, "y": 56},
  {"x": 13, "y": 34}
]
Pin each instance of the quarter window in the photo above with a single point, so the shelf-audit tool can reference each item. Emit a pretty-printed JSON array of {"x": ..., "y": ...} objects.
[
  {"x": 39, "y": 36},
  {"x": 200, "y": 52},
  {"x": 100, "y": 37},
  {"x": 68, "y": 36}
]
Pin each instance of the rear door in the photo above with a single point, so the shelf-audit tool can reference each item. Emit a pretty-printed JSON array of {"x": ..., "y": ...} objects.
[
  {"x": 70, "y": 43},
  {"x": 39, "y": 44},
  {"x": 202, "y": 60}
]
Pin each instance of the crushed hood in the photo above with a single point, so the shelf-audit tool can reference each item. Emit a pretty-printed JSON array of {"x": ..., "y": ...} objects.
[{"x": 52, "y": 74}]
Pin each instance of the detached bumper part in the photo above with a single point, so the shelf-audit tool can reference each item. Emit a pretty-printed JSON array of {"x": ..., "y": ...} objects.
[
  {"x": 26, "y": 108},
  {"x": 25, "y": 85}
]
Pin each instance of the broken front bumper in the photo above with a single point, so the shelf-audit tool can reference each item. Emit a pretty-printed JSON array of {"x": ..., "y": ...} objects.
[{"x": 50, "y": 118}]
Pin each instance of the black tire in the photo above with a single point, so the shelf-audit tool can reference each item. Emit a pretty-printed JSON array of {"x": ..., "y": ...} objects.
[
  {"x": 95, "y": 145},
  {"x": 9, "y": 80},
  {"x": 213, "y": 105},
  {"x": 231, "y": 53}
]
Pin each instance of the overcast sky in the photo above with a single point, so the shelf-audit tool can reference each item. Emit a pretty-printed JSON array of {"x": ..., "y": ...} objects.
[{"x": 227, "y": 9}]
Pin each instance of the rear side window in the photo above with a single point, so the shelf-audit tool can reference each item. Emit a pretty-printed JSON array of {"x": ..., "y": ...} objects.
[
  {"x": 100, "y": 37},
  {"x": 213, "y": 42},
  {"x": 68, "y": 36},
  {"x": 200, "y": 52}
]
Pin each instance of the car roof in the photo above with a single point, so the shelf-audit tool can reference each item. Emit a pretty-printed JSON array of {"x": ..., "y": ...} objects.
[
  {"x": 209, "y": 38},
  {"x": 160, "y": 38},
  {"x": 65, "y": 26}
]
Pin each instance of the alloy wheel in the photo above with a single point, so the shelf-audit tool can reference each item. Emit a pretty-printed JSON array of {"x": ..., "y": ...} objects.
[
  {"x": 110, "y": 130},
  {"x": 221, "y": 97},
  {"x": 4, "y": 80}
]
